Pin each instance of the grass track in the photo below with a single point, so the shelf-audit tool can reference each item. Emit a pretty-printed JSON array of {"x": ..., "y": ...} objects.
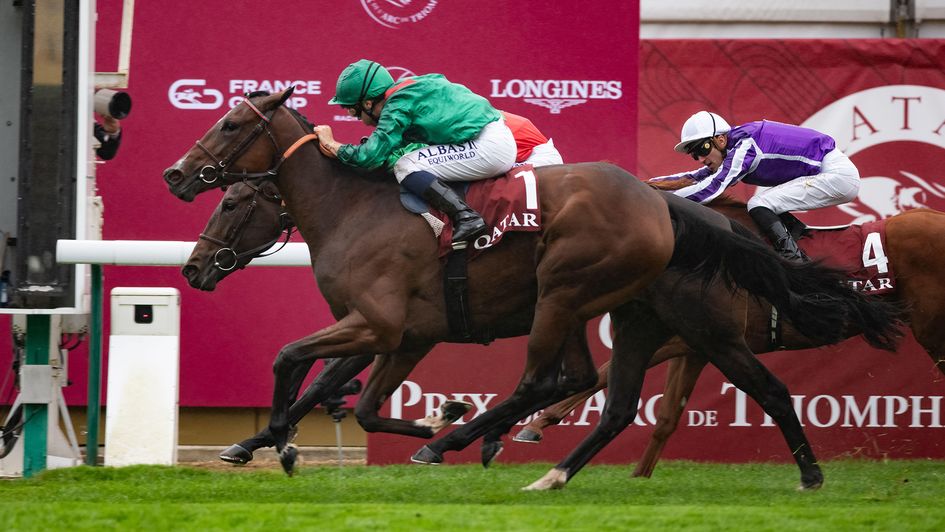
[{"x": 858, "y": 495}]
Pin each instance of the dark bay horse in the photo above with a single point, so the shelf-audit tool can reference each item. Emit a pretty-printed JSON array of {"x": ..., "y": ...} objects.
[
  {"x": 606, "y": 238},
  {"x": 243, "y": 225},
  {"x": 914, "y": 247}
]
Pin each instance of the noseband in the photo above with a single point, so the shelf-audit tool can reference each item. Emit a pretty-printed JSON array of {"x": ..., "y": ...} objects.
[{"x": 226, "y": 258}]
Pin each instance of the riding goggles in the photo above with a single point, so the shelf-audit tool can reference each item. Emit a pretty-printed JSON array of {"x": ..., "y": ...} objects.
[{"x": 700, "y": 149}]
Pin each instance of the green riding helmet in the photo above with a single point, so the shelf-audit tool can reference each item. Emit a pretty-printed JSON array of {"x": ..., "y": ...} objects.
[{"x": 361, "y": 81}]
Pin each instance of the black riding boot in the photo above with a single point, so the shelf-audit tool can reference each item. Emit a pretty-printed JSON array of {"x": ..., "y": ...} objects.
[
  {"x": 467, "y": 224},
  {"x": 778, "y": 234}
]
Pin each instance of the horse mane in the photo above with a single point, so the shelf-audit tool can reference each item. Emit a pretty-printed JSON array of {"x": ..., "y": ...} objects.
[
  {"x": 377, "y": 174},
  {"x": 726, "y": 200}
]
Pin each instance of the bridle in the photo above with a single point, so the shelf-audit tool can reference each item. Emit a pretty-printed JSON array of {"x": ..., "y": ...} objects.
[
  {"x": 211, "y": 173},
  {"x": 226, "y": 258}
]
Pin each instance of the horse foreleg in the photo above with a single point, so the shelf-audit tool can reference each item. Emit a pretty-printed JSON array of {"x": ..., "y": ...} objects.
[
  {"x": 352, "y": 335},
  {"x": 539, "y": 386},
  {"x": 533, "y": 432},
  {"x": 335, "y": 374},
  {"x": 388, "y": 373},
  {"x": 680, "y": 381}
]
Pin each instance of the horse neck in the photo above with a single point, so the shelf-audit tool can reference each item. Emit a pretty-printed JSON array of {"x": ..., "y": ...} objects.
[{"x": 318, "y": 191}]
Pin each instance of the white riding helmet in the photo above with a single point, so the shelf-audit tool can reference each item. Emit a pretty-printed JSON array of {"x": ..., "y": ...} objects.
[{"x": 701, "y": 125}]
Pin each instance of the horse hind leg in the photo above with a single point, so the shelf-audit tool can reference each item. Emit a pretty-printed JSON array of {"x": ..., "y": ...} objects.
[
  {"x": 533, "y": 432},
  {"x": 577, "y": 375},
  {"x": 638, "y": 334},
  {"x": 930, "y": 335},
  {"x": 680, "y": 381},
  {"x": 743, "y": 370}
]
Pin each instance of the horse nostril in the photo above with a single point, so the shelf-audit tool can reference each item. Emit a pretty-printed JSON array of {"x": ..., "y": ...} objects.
[
  {"x": 189, "y": 271},
  {"x": 173, "y": 176}
]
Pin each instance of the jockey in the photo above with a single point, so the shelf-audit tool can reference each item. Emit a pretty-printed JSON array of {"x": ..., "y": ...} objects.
[
  {"x": 797, "y": 168},
  {"x": 467, "y": 139}
]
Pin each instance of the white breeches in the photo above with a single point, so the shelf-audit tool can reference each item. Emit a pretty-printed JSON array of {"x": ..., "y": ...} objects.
[
  {"x": 490, "y": 154},
  {"x": 838, "y": 182}
]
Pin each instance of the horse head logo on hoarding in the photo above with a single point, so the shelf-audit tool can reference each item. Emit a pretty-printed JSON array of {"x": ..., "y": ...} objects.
[
  {"x": 183, "y": 95},
  {"x": 882, "y": 197},
  {"x": 894, "y": 134}
]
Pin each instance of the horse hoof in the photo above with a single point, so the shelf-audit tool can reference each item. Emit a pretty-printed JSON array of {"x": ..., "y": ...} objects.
[
  {"x": 236, "y": 454},
  {"x": 810, "y": 485},
  {"x": 527, "y": 435},
  {"x": 426, "y": 455},
  {"x": 453, "y": 410},
  {"x": 553, "y": 480},
  {"x": 811, "y": 482},
  {"x": 490, "y": 450},
  {"x": 287, "y": 458}
]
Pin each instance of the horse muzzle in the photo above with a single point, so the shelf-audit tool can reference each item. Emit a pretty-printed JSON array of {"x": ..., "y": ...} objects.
[
  {"x": 178, "y": 184},
  {"x": 200, "y": 279}
]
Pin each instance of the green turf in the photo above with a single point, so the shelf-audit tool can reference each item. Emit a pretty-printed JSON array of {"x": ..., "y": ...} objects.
[{"x": 857, "y": 495}]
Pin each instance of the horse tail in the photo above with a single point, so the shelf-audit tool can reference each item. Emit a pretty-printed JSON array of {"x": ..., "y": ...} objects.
[{"x": 815, "y": 298}]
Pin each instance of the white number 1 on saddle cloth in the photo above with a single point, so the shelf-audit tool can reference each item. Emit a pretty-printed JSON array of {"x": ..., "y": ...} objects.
[{"x": 507, "y": 203}]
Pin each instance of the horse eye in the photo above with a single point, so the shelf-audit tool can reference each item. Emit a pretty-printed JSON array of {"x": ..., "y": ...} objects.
[
  {"x": 228, "y": 206},
  {"x": 229, "y": 126}
]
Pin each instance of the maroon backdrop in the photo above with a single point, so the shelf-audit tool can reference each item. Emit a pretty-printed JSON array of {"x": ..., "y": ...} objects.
[
  {"x": 526, "y": 60},
  {"x": 884, "y": 101},
  {"x": 529, "y": 57}
]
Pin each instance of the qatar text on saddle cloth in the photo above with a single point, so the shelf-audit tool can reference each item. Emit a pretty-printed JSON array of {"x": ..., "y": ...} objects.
[
  {"x": 858, "y": 250},
  {"x": 506, "y": 203}
]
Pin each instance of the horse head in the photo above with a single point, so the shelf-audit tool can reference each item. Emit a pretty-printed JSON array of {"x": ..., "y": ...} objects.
[
  {"x": 230, "y": 151},
  {"x": 247, "y": 222}
]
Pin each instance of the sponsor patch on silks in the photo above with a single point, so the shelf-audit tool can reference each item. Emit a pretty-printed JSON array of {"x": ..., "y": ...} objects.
[
  {"x": 507, "y": 203},
  {"x": 859, "y": 250}
]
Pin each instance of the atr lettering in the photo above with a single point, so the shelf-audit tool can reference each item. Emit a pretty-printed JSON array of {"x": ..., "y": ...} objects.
[{"x": 884, "y": 283}]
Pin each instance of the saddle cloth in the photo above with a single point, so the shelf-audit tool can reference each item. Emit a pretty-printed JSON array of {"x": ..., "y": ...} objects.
[
  {"x": 506, "y": 203},
  {"x": 859, "y": 250}
]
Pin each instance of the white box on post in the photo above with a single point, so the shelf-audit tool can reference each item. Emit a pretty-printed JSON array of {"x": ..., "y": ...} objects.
[{"x": 143, "y": 383}]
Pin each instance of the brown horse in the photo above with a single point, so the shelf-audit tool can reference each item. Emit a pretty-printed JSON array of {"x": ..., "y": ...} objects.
[
  {"x": 914, "y": 246},
  {"x": 242, "y": 226},
  {"x": 606, "y": 237}
]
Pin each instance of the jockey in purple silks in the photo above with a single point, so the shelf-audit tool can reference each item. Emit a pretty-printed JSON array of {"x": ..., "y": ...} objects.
[{"x": 796, "y": 169}]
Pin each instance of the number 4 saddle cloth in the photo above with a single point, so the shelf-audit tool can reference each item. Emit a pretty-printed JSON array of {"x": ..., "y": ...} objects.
[{"x": 859, "y": 250}]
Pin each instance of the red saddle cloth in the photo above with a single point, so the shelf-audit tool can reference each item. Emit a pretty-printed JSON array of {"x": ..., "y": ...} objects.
[
  {"x": 507, "y": 203},
  {"x": 859, "y": 250}
]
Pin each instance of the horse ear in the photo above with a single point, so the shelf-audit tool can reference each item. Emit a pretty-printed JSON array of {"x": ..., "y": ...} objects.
[{"x": 285, "y": 95}]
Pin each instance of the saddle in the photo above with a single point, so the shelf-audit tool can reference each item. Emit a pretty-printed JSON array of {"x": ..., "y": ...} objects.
[{"x": 506, "y": 203}]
